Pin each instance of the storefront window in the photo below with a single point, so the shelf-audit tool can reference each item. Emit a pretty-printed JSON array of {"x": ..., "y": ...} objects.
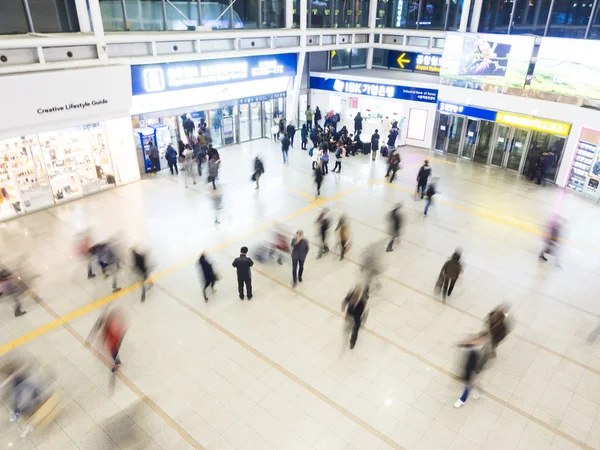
[
  {"x": 454, "y": 14},
  {"x": 321, "y": 13},
  {"x": 595, "y": 28},
  {"x": 380, "y": 58},
  {"x": 273, "y": 13},
  {"x": 246, "y": 14},
  {"x": 385, "y": 14},
  {"x": 340, "y": 59},
  {"x": 433, "y": 14},
  {"x": 358, "y": 58}
]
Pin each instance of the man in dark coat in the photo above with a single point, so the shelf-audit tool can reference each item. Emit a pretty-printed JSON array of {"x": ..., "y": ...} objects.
[
  {"x": 422, "y": 177},
  {"x": 244, "y": 275},
  {"x": 210, "y": 277},
  {"x": 395, "y": 224}
]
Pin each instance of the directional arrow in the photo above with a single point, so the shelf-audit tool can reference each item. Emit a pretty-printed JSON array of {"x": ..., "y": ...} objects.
[
  {"x": 333, "y": 53},
  {"x": 401, "y": 60}
]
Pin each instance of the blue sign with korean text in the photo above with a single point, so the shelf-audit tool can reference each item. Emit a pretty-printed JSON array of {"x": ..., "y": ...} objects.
[
  {"x": 262, "y": 98},
  {"x": 415, "y": 94},
  {"x": 153, "y": 78},
  {"x": 470, "y": 111}
]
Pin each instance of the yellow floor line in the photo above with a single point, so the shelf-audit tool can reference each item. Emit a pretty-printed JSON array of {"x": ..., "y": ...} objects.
[{"x": 5, "y": 348}]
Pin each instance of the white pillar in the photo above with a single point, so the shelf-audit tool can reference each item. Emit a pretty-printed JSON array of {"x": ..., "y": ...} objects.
[
  {"x": 372, "y": 28},
  {"x": 289, "y": 13},
  {"x": 98, "y": 29},
  {"x": 477, "y": 15},
  {"x": 303, "y": 15},
  {"x": 464, "y": 17},
  {"x": 292, "y": 105},
  {"x": 82, "y": 16}
]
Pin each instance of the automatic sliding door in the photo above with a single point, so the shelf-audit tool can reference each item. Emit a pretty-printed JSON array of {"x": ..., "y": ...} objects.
[
  {"x": 500, "y": 145},
  {"x": 455, "y": 134},
  {"x": 244, "y": 109},
  {"x": 517, "y": 148},
  {"x": 470, "y": 139},
  {"x": 482, "y": 149},
  {"x": 442, "y": 132},
  {"x": 255, "y": 121}
]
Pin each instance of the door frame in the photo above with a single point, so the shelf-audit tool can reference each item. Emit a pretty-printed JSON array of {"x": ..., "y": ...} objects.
[
  {"x": 437, "y": 127},
  {"x": 525, "y": 151},
  {"x": 464, "y": 135}
]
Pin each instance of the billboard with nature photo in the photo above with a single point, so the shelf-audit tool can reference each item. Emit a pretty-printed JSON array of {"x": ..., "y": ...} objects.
[
  {"x": 567, "y": 69},
  {"x": 486, "y": 58}
]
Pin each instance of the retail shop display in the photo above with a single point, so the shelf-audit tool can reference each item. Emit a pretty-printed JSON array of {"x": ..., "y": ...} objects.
[{"x": 583, "y": 163}]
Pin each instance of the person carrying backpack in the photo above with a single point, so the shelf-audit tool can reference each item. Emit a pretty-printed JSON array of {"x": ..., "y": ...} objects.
[
  {"x": 171, "y": 156},
  {"x": 325, "y": 161},
  {"x": 339, "y": 155}
]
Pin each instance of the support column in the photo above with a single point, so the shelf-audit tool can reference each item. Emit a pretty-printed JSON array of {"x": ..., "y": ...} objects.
[
  {"x": 303, "y": 15},
  {"x": 98, "y": 27},
  {"x": 372, "y": 28},
  {"x": 464, "y": 16},
  {"x": 82, "y": 16},
  {"x": 476, "y": 16},
  {"x": 292, "y": 103},
  {"x": 289, "y": 13}
]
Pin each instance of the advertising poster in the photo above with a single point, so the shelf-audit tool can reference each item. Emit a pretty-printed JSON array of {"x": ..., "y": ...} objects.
[
  {"x": 486, "y": 58},
  {"x": 566, "y": 69}
]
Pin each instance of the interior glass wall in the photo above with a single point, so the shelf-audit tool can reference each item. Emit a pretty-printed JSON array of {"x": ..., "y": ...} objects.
[{"x": 47, "y": 16}]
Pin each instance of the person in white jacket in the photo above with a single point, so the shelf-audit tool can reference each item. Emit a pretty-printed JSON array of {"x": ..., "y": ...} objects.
[
  {"x": 316, "y": 156},
  {"x": 188, "y": 165}
]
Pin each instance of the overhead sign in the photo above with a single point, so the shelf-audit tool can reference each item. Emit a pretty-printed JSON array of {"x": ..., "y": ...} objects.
[
  {"x": 152, "y": 78},
  {"x": 417, "y": 62},
  {"x": 534, "y": 123},
  {"x": 470, "y": 111},
  {"x": 262, "y": 98},
  {"x": 415, "y": 94}
]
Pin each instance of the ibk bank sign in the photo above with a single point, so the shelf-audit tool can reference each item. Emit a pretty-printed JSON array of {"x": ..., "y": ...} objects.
[{"x": 153, "y": 78}]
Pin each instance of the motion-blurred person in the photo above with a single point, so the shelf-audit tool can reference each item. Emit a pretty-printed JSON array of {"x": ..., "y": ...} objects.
[
  {"x": 393, "y": 151},
  {"x": 375, "y": 144},
  {"x": 304, "y": 136},
  {"x": 355, "y": 303},
  {"x": 344, "y": 230},
  {"x": 259, "y": 169},
  {"x": 300, "y": 249},
  {"x": 171, "y": 156},
  {"x": 552, "y": 239},
  {"x": 188, "y": 165},
  {"x": 244, "y": 275},
  {"x": 111, "y": 327},
  {"x": 189, "y": 126},
  {"x": 285, "y": 147},
  {"x": 450, "y": 272},
  {"x": 291, "y": 131},
  {"x": 422, "y": 177},
  {"x": 323, "y": 223},
  {"x": 16, "y": 374},
  {"x": 395, "y": 224},
  {"x": 213, "y": 170},
  {"x": 318, "y": 172},
  {"x": 210, "y": 276},
  {"x": 478, "y": 349},
  {"x": 394, "y": 164},
  {"x": 371, "y": 265},
  {"x": 429, "y": 193},
  {"x": 106, "y": 256},
  {"x": 11, "y": 286},
  {"x": 217, "y": 202},
  {"x": 317, "y": 154},
  {"x": 140, "y": 264},
  {"x": 497, "y": 326}
]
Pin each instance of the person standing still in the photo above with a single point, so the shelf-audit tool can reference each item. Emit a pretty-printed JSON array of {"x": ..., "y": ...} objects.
[
  {"x": 339, "y": 156},
  {"x": 244, "y": 275},
  {"x": 285, "y": 147},
  {"x": 210, "y": 277},
  {"x": 395, "y": 224},
  {"x": 300, "y": 249},
  {"x": 323, "y": 223},
  {"x": 304, "y": 136},
  {"x": 318, "y": 117},
  {"x": 422, "y": 177},
  {"x": 154, "y": 158},
  {"x": 309, "y": 118},
  {"x": 325, "y": 161},
  {"x": 358, "y": 123},
  {"x": 344, "y": 231},
  {"x": 374, "y": 144}
]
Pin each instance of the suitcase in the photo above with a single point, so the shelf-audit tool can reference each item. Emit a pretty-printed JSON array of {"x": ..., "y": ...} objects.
[
  {"x": 384, "y": 151},
  {"x": 366, "y": 148}
]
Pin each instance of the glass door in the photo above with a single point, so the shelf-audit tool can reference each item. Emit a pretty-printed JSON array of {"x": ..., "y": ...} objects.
[
  {"x": 268, "y": 119},
  {"x": 518, "y": 144},
  {"x": 244, "y": 122},
  {"x": 470, "y": 139},
  {"x": 255, "y": 120},
  {"x": 455, "y": 134},
  {"x": 442, "y": 132},
  {"x": 482, "y": 148},
  {"x": 500, "y": 145}
]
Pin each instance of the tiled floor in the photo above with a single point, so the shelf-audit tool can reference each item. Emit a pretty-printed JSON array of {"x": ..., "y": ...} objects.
[{"x": 276, "y": 373}]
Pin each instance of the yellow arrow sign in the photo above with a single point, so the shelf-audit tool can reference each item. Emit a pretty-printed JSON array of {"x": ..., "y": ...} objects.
[
  {"x": 401, "y": 60},
  {"x": 333, "y": 53}
]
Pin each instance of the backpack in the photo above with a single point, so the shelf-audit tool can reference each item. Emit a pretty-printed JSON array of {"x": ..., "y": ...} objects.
[
  {"x": 325, "y": 156},
  {"x": 338, "y": 153},
  {"x": 310, "y": 152}
]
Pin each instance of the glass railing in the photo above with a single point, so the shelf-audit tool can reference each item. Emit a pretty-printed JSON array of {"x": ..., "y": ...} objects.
[{"x": 39, "y": 16}]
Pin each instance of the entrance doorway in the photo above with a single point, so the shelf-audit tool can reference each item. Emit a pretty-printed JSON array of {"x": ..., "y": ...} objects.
[
  {"x": 510, "y": 145},
  {"x": 484, "y": 139}
]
